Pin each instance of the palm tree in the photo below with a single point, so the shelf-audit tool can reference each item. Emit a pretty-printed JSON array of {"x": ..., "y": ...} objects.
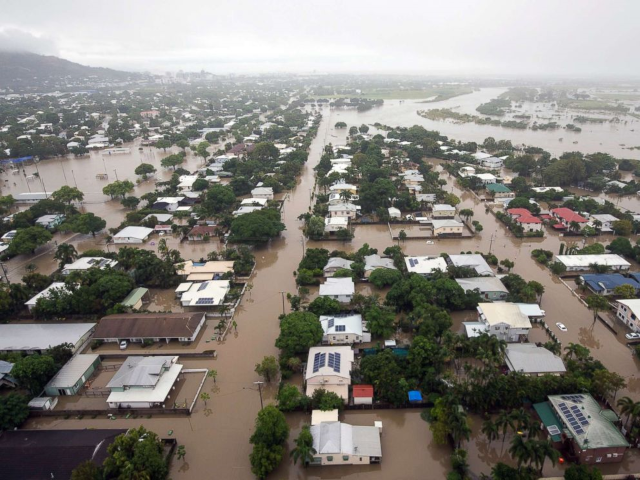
[
  {"x": 204, "y": 396},
  {"x": 459, "y": 426},
  {"x": 505, "y": 423},
  {"x": 303, "y": 450},
  {"x": 626, "y": 406},
  {"x": 546, "y": 450},
  {"x": 521, "y": 450},
  {"x": 65, "y": 253},
  {"x": 491, "y": 430},
  {"x": 521, "y": 419}
]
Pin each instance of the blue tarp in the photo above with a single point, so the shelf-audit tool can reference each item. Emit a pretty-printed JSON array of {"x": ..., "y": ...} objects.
[
  {"x": 415, "y": 396},
  {"x": 17, "y": 160}
]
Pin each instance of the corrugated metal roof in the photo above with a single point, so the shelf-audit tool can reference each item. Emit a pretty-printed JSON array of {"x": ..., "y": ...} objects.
[{"x": 72, "y": 371}]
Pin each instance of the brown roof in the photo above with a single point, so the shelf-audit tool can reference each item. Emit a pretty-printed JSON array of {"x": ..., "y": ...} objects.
[
  {"x": 148, "y": 325},
  {"x": 202, "y": 230}
]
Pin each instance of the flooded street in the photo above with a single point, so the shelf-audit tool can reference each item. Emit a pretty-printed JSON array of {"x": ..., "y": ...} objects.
[{"x": 216, "y": 437}]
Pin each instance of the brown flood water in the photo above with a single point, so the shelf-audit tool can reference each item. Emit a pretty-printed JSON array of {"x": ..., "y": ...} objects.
[{"x": 216, "y": 437}]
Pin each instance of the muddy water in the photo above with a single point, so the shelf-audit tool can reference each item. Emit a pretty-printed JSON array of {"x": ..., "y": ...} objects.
[{"x": 216, "y": 436}]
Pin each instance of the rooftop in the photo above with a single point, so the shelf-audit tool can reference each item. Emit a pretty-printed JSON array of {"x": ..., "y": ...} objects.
[
  {"x": 568, "y": 215},
  {"x": 509, "y": 313},
  {"x": 498, "y": 188},
  {"x": 483, "y": 284},
  {"x": 337, "y": 286},
  {"x": 71, "y": 372},
  {"x": 134, "y": 296},
  {"x": 598, "y": 282},
  {"x": 362, "y": 391},
  {"x": 348, "y": 324},
  {"x": 529, "y": 358},
  {"x": 41, "y": 336},
  {"x": 205, "y": 294},
  {"x": 609, "y": 259},
  {"x": 85, "y": 263},
  {"x": 475, "y": 261},
  {"x": 149, "y": 325},
  {"x": 46, "y": 292},
  {"x": 425, "y": 265},
  {"x": 141, "y": 371},
  {"x": 330, "y": 360},
  {"x": 134, "y": 232},
  {"x": 343, "y": 439}
]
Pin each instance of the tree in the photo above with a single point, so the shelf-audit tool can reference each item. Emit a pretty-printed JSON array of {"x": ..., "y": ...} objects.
[
  {"x": 181, "y": 452},
  {"x": 163, "y": 144},
  {"x": 264, "y": 459},
  {"x": 490, "y": 430},
  {"x": 138, "y": 453},
  {"x": 315, "y": 228},
  {"x": 65, "y": 253},
  {"x": 315, "y": 259},
  {"x": 508, "y": 264},
  {"x": 87, "y": 470},
  {"x": 34, "y": 371},
  {"x": 172, "y": 161},
  {"x": 402, "y": 236},
  {"x": 14, "y": 410},
  {"x": 67, "y": 194},
  {"x": 271, "y": 427},
  {"x": 606, "y": 383},
  {"x": 201, "y": 150},
  {"x": 85, "y": 223},
  {"x": 218, "y": 199},
  {"x": 621, "y": 246},
  {"x": 119, "y": 188},
  {"x": 597, "y": 303},
  {"x": 323, "y": 400},
  {"x": 268, "y": 368},
  {"x": 145, "y": 169},
  {"x": 339, "y": 125},
  {"x": 324, "y": 306},
  {"x": 466, "y": 213},
  {"x": 199, "y": 185},
  {"x": 130, "y": 202},
  {"x": 256, "y": 227},
  {"x": 380, "y": 322},
  {"x": 353, "y": 131},
  {"x": 383, "y": 277},
  {"x": 304, "y": 450},
  {"x": 521, "y": 450},
  {"x": 289, "y": 397},
  {"x": 582, "y": 472},
  {"x": 558, "y": 268},
  {"x": 28, "y": 239},
  {"x": 624, "y": 291},
  {"x": 204, "y": 396},
  {"x": 363, "y": 128},
  {"x": 299, "y": 331},
  {"x": 61, "y": 354},
  {"x": 622, "y": 227}
]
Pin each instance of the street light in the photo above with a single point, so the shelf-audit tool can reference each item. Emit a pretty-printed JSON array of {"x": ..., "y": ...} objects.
[{"x": 260, "y": 391}]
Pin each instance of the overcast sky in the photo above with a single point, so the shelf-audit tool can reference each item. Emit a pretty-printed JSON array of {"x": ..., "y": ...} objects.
[{"x": 541, "y": 37}]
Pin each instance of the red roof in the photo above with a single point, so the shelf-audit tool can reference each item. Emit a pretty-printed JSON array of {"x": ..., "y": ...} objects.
[
  {"x": 546, "y": 216},
  {"x": 558, "y": 226},
  {"x": 363, "y": 391},
  {"x": 568, "y": 215},
  {"x": 523, "y": 215},
  {"x": 202, "y": 230}
]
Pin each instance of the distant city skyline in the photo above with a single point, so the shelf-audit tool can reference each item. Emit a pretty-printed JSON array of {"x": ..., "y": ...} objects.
[{"x": 496, "y": 37}]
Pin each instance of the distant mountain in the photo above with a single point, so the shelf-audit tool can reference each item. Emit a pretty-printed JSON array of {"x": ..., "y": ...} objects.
[{"x": 23, "y": 71}]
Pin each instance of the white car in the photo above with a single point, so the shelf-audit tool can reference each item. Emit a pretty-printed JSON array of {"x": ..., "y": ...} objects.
[
  {"x": 123, "y": 345},
  {"x": 632, "y": 336},
  {"x": 561, "y": 327}
]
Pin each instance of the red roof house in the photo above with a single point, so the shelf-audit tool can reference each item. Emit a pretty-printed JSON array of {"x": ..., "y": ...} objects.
[
  {"x": 362, "y": 394},
  {"x": 566, "y": 215},
  {"x": 522, "y": 215}
]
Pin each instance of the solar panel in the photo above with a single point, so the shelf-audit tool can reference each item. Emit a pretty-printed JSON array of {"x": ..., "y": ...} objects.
[
  {"x": 561, "y": 405},
  {"x": 336, "y": 362},
  {"x": 553, "y": 430},
  {"x": 202, "y": 286},
  {"x": 331, "y": 322},
  {"x": 341, "y": 328},
  {"x": 331, "y": 360},
  {"x": 323, "y": 360},
  {"x": 205, "y": 301},
  {"x": 584, "y": 422},
  {"x": 579, "y": 431},
  {"x": 316, "y": 362}
]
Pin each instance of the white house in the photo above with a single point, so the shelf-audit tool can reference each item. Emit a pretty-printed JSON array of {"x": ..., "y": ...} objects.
[
  {"x": 50, "y": 221},
  {"x": 338, "y": 443},
  {"x": 132, "y": 235},
  {"x": 504, "y": 320},
  {"x": 343, "y": 329},
  {"x": 31, "y": 338},
  {"x": 170, "y": 204},
  {"x": 144, "y": 382},
  {"x": 474, "y": 261},
  {"x": 605, "y": 220},
  {"x": 340, "y": 289},
  {"x": 46, "y": 293},
  {"x": 333, "y": 224},
  {"x": 578, "y": 263},
  {"x": 205, "y": 294},
  {"x": 329, "y": 368},
  {"x": 447, "y": 228},
  {"x": 85, "y": 263},
  {"x": 348, "y": 210},
  {"x": 394, "y": 213},
  {"x": 375, "y": 261},
  {"x": 628, "y": 312},
  {"x": 244, "y": 209},
  {"x": 262, "y": 192},
  {"x": 425, "y": 266},
  {"x": 186, "y": 182},
  {"x": 485, "y": 178},
  {"x": 442, "y": 210},
  {"x": 254, "y": 202},
  {"x": 334, "y": 264},
  {"x": 465, "y": 172}
]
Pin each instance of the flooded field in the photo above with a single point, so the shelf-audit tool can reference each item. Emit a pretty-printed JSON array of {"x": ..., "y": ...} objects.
[{"x": 216, "y": 436}]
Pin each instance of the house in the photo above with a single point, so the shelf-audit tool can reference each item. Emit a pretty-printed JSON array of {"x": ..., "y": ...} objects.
[
  {"x": 201, "y": 232},
  {"x": 532, "y": 310},
  {"x": 485, "y": 178},
  {"x": 394, "y": 213},
  {"x": 425, "y": 266},
  {"x": 474, "y": 261},
  {"x": 344, "y": 187},
  {"x": 206, "y": 294},
  {"x": 262, "y": 192},
  {"x": 202, "y": 271},
  {"x": 337, "y": 443},
  {"x": 186, "y": 183},
  {"x": 498, "y": 190},
  {"x": 137, "y": 327},
  {"x": 247, "y": 209},
  {"x": 567, "y": 217},
  {"x": 447, "y": 228},
  {"x": 581, "y": 263},
  {"x": 31, "y": 197},
  {"x": 374, "y": 262},
  {"x": 491, "y": 288},
  {"x": 525, "y": 219},
  {"x": 531, "y": 360},
  {"x": 85, "y": 263},
  {"x": 329, "y": 368},
  {"x": 39, "y": 337},
  {"x": 43, "y": 403},
  {"x": 136, "y": 298},
  {"x": 143, "y": 382},
  {"x": 6, "y": 380},
  {"x": 362, "y": 394},
  {"x": 254, "y": 202},
  {"x": 52, "y": 454},
  {"x": 161, "y": 218},
  {"x": 343, "y": 329},
  {"x": 348, "y": 210},
  {"x": 465, "y": 172},
  {"x": 579, "y": 425},
  {"x": 72, "y": 376},
  {"x": 8, "y": 237},
  {"x": 50, "y": 221},
  {"x": 334, "y": 264},
  {"x": 605, "y": 283},
  {"x": 320, "y": 416},
  {"x": 333, "y": 224},
  {"x": 170, "y": 204},
  {"x": 442, "y": 210},
  {"x": 132, "y": 235},
  {"x": 505, "y": 321},
  {"x": 628, "y": 312},
  {"x": 46, "y": 293},
  {"x": 492, "y": 162},
  {"x": 604, "y": 222},
  {"x": 340, "y": 289}
]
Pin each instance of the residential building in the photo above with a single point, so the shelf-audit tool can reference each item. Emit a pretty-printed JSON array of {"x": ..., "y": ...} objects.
[
  {"x": 39, "y": 337},
  {"x": 31, "y": 197},
  {"x": 333, "y": 224},
  {"x": 491, "y": 288},
  {"x": 581, "y": 263},
  {"x": 447, "y": 228},
  {"x": 628, "y": 312},
  {"x": 132, "y": 235},
  {"x": 321, "y": 416},
  {"x": 602, "y": 222},
  {"x": 532, "y": 310},
  {"x": 344, "y": 329},
  {"x": 50, "y": 221},
  {"x": 201, "y": 232},
  {"x": 247, "y": 209},
  {"x": 136, "y": 298},
  {"x": 73, "y": 375},
  {"x": 605, "y": 283},
  {"x": 161, "y": 218},
  {"x": 344, "y": 187},
  {"x": 206, "y": 294},
  {"x": 262, "y": 192},
  {"x": 567, "y": 217},
  {"x": 474, "y": 261},
  {"x": 498, "y": 190},
  {"x": 137, "y": 327},
  {"x": 394, "y": 213},
  {"x": 337, "y": 443},
  {"x": 465, "y": 172},
  {"x": 202, "y": 271},
  {"x": 578, "y": 424},
  {"x": 504, "y": 321},
  {"x": 374, "y": 262},
  {"x": 529, "y": 359},
  {"x": 143, "y": 382},
  {"x": 525, "y": 219},
  {"x": 170, "y": 204},
  {"x": 329, "y": 368},
  {"x": 340, "y": 289},
  {"x": 85, "y": 263},
  {"x": 46, "y": 293},
  {"x": 485, "y": 178},
  {"x": 254, "y": 202},
  {"x": 348, "y": 210},
  {"x": 362, "y": 394},
  {"x": 442, "y": 210},
  {"x": 52, "y": 454},
  {"x": 186, "y": 183},
  {"x": 334, "y": 264},
  {"x": 425, "y": 266},
  {"x": 6, "y": 380}
]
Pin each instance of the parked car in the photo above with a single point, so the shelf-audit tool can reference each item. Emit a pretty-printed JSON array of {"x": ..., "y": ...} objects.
[
  {"x": 123, "y": 345},
  {"x": 561, "y": 327},
  {"x": 632, "y": 336}
]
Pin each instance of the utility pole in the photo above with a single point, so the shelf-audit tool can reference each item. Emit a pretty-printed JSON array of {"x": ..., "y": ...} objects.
[
  {"x": 116, "y": 172},
  {"x": 74, "y": 178},
  {"x": 491, "y": 243},
  {"x": 302, "y": 240},
  {"x": 283, "y": 312},
  {"x": 4, "y": 270},
  {"x": 260, "y": 391}
]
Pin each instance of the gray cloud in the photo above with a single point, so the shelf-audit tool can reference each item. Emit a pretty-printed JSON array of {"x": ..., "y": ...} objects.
[{"x": 14, "y": 39}]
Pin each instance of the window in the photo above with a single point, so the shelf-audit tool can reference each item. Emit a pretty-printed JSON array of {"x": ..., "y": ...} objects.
[
  {"x": 329, "y": 459},
  {"x": 345, "y": 457}
]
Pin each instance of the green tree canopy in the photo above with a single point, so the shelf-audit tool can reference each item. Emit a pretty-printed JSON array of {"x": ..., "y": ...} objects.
[
  {"x": 34, "y": 371},
  {"x": 14, "y": 410},
  {"x": 136, "y": 454},
  {"x": 299, "y": 331},
  {"x": 119, "y": 188},
  {"x": 28, "y": 239},
  {"x": 256, "y": 227},
  {"x": 67, "y": 194},
  {"x": 86, "y": 223}
]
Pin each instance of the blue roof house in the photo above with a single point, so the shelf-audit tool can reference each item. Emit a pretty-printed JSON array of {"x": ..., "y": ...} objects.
[{"x": 605, "y": 283}]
